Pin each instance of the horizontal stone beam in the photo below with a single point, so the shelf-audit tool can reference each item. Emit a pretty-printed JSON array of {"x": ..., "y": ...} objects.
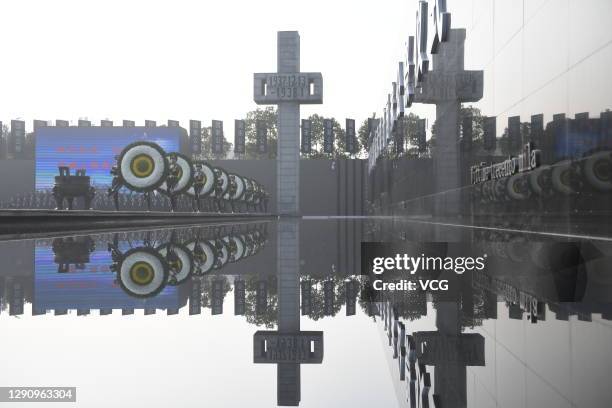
[
  {"x": 300, "y": 87},
  {"x": 465, "y": 86},
  {"x": 271, "y": 347}
]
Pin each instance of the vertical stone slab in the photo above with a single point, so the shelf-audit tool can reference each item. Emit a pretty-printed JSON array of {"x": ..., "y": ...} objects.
[
  {"x": 288, "y": 126},
  {"x": 447, "y": 86},
  {"x": 446, "y": 158},
  {"x": 288, "y": 377},
  {"x": 288, "y": 278},
  {"x": 450, "y": 61},
  {"x": 288, "y": 275},
  {"x": 450, "y": 378}
]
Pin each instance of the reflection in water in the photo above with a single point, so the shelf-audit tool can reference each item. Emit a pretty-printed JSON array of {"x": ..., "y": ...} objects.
[
  {"x": 288, "y": 347},
  {"x": 510, "y": 335},
  {"x": 137, "y": 270},
  {"x": 144, "y": 271},
  {"x": 481, "y": 356}
]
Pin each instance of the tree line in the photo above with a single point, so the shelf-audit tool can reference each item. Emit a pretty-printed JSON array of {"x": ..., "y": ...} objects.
[
  {"x": 269, "y": 116},
  {"x": 410, "y": 137}
]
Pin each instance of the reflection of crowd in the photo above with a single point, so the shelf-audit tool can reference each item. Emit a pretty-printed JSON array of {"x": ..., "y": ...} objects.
[{"x": 129, "y": 201}]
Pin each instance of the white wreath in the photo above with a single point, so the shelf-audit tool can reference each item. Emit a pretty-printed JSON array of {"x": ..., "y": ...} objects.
[{"x": 143, "y": 182}]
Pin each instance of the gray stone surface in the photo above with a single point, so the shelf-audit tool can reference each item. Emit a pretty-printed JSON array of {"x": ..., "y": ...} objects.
[
  {"x": 288, "y": 267},
  {"x": 288, "y": 160},
  {"x": 447, "y": 86},
  {"x": 272, "y": 347},
  {"x": 303, "y": 87}
]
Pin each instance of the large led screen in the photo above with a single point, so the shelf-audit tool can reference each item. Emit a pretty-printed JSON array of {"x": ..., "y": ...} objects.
[{"x": 93, "y": 149}]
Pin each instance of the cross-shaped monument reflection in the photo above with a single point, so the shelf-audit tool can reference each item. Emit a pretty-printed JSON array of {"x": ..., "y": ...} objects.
[{"x": 288, "y": 347}]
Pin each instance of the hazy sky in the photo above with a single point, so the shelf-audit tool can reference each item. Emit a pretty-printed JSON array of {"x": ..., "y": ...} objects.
[
  {"x": 191, "y": 59},
  {"x": 195, "y": 59}
]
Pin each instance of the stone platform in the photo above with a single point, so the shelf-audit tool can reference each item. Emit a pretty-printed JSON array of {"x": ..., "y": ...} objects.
[{"x": 24, "y": 223}]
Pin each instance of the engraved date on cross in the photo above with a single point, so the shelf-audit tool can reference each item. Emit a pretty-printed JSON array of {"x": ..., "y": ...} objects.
[{"x": 302, "y": 87}]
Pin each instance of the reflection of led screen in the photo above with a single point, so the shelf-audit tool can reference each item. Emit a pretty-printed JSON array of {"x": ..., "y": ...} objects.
[
  {"x": 576, "y": 144},
  {"x": 92, "y": 287},
  {"x": 92, "y": 148}
]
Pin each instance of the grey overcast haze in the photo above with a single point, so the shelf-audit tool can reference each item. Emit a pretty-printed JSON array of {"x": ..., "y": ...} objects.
[{"x": 191, "y": 59}]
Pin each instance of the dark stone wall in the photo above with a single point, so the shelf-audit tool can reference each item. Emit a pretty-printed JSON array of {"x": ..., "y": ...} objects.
[
  {"x": 16, "y": 177},
  {"x": 405, "y": 179},
  {"x": 263, "y": 171},
  {"x": 17, "y": 258},
  {"x": 332, "y": 187},
  {"x": 327, "y": 187}
]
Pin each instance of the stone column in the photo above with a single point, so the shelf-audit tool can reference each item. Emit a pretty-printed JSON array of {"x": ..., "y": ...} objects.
[
  {"x": 448, "y": 61},
  {"x": 447, "y": 86},
  {"x": 288, "y": 375},
  {"x": 288, "y": 273},
  {"x": 446, "y": 158},
  {"x": 288, "y": 153}
]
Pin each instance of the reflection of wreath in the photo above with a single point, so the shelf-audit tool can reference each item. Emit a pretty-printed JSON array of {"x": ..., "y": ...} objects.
[
  {"x": 142, "y": 166},
  {"x": 499, "y": 189},
  {"x": 540, "y": 180},
  {"x": 516, "y": 187},
  {"x": 598, "y": 170},
  {"x": 257, "y": 242},
  {"x": 236, "y": 247},
  {"x": 180, "y": 262},
  {"x": 203, "y": 255},
  {"x": 563, "y": 177},
  {"x": 222, "y": 252},
  {"x": 142, "y": 272},
  {"x": 248, "y": 245}
]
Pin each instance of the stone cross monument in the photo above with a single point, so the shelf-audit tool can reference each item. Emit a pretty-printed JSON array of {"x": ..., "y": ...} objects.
[
  {"x": 288, "y": 88},
  {"x": 447, "y": 86}
]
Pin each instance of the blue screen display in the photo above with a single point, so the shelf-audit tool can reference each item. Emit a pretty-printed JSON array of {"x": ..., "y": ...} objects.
[
  {"x": 91, "y": 287},
  {"x": 93, "y": 149}
]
